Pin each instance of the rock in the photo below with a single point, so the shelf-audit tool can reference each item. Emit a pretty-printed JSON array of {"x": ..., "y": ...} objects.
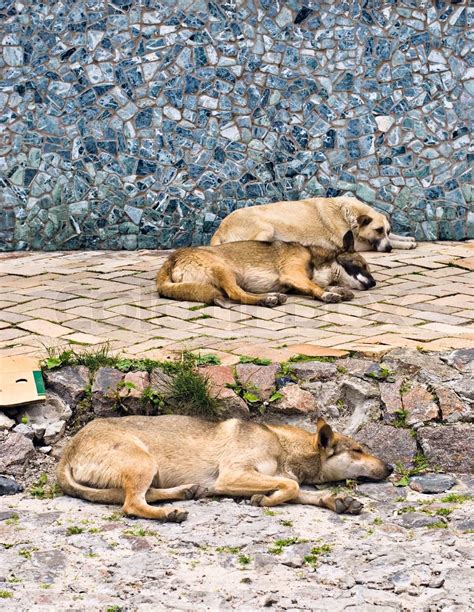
[
  {"x": 219, "y": 377},
  {"x": 131, "y": 392},
  {"x": 294, "y": 400},
  {"x": 362, "y": 403},
  {"x": 69, "y": 382},
  {"x": 105, "y": 390},
  {"x": 392, "y": 444},
  {"x": 390, "y": 396},
  {"x": 8, "y": 486},
  {"x": 257, "y": 379},
  {"x": 160, "y": 381},
  {"x": 429, "y": 366},
  {"x": 293, "y": 556},
  {"x": 461, "y": 359},
  {"x": 40, "y": 416},
  {"x": 381, "y": 491},
  {"x": 313, "y": 370},
  {"x": 414, "y": 520},
  {"x": 328, "y": 396},
  {"x": 384, "y": 122},
  {"x": 464, "y": 388},
  {"x": 432, "y": 483},
  {"x": 357, "y": 367},
  {"x": 54, "y": 432},
  {"x": 452, "y": 408},
  {"x": 15, "y": 452},
  {"x": 450, "y": 448},
  {"x": 45, "y": 449},
  {"x": 25, "y": 430},
  {"x": 5, "y": 422},
  {"x": 420, "y": 405}
]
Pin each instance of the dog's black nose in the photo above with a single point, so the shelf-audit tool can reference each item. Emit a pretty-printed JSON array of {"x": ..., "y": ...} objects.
[
  {"x": 388, "y": 249},
  {"x": 390, "y": 469}
]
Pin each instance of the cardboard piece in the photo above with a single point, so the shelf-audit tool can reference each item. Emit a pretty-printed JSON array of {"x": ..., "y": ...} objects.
[{"x": 21, "y": 381}]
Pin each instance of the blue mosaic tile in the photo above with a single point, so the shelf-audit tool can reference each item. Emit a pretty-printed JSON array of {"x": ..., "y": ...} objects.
[{"x": 142, "y": 124}]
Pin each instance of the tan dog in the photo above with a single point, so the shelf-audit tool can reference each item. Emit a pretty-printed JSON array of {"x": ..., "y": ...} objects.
[
  {"x": 252, "y": 272},
  {"x": 139, "y": 460},
  {"x": 320, "y": 222}
]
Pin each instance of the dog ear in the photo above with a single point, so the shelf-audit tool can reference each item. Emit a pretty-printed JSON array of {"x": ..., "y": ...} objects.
[
  {"x": 348, "y": 242},
  {"x": 324, "y": 434},
  {"x": 363, "y": 220}
]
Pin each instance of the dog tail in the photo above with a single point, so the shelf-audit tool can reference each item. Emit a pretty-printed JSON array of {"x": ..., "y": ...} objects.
[
  {"x": 193, "y": 292},
  {"x": 70, "y": 486}
]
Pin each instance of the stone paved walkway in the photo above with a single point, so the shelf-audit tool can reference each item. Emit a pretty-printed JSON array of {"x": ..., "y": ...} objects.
[{"x": 424, "y": 298}]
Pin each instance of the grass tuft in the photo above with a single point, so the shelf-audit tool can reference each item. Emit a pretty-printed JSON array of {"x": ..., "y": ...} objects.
[
  {"x": 313, "y": 557},
  {"x": 42, "y": 489}
]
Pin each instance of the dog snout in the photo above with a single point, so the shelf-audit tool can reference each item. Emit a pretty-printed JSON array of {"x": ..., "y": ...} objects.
[
  {"x": 388, "y": 248},
  {"x": 389, "y": 468},
  {"x": 369, "y": 282}
]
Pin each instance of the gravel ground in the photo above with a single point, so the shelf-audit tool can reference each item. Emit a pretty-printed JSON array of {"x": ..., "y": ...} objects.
[{"x": 406, "y": 551}]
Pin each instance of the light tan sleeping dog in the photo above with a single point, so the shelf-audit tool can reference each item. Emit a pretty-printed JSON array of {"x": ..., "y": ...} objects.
[
  {"x": 137, "y": 460},
  {"x": 315, "y": 221},
  {"x": 252, "y": 272}
]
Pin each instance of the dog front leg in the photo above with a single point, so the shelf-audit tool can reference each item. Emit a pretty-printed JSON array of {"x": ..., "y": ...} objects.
[
  {"x": 302, "y": 284},
  {"x": 324, "y": 499},
  {"x": 402, "y": 242},
  {"x": 263, "y": 490}
]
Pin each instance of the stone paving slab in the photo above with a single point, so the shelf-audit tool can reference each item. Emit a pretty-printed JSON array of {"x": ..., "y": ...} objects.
[{"x": 423, "y": 299}]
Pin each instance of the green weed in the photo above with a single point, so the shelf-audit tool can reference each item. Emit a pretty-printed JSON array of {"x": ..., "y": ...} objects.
[
  {"x": 233, "y": 550},
  {"x": 455, "y": 498},
  {"x": 244, "y": 560},
  {"x": 42, "y": 489},
  {"x": 382, "y": 374},
  {"x": 6, "y": 594},
  {"x": 279, "y": 545},
  {"x": 437, "y": 525},
  {"x": 140, "y": 532},
  {"x": 262, "y": 361},
  {"x": 74, "y": 530},
  {"x": 313, "y": 557},
  {"x": 297, "y": 358}
]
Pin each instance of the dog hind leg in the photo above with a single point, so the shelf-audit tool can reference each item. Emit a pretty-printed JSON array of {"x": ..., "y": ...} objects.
[
  {"x": 137, "y": 478},
  {"x": 227, "y": 281},
  {"x": 180, "y": 493}
]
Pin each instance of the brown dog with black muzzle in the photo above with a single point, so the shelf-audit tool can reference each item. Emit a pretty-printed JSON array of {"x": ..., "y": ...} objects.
[
  {"x": 260, "y": 273},
  {"x": 137, "y": 460}
]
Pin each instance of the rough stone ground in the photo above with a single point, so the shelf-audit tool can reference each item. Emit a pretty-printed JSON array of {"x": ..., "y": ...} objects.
[
  {"x": 406, "y": 551},
  {"x": 424, "y": 297},
  {"x": 63, "y": 554}
]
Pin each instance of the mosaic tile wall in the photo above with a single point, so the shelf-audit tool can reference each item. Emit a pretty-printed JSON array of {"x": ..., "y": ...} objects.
[{"x": 140, "y": 124}]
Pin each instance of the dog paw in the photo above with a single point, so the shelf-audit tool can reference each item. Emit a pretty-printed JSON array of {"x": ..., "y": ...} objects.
[
  {"x": 256, "y": 500},
  {"x": 344, "y": 504},
  {"x": 196, "y": 492},
  {"x": 176, "y": 516},
  {"x": 282, "y": 298},
  {"x": 330, "y": 297},
  {"x": 346, "y": 294},
  {"x": 271, "y": 300}
]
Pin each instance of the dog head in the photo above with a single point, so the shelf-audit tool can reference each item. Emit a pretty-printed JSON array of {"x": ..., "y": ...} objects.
[
  {"x": 374, "y": 231},
  {"x": 341, "y": 458},
  {"x": 350, "y": 268}
]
